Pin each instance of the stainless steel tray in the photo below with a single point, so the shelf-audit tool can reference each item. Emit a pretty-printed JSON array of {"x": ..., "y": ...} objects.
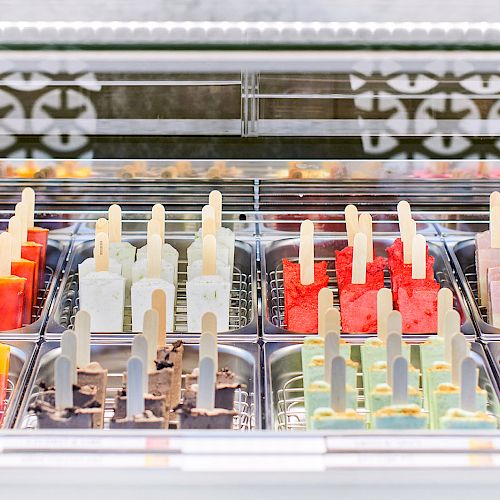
[
  {"x": 284, "y": 405},
  {"x": 57, "y": 251},
  {"x": 272, "y": 279},
  {"x": 242, "y": 358},
  {"x": 493, "y": 350},
  {"x": 243, "y": 317},
  {"x": 21, "y": 356},
  {"x": 462, "y": 253}
]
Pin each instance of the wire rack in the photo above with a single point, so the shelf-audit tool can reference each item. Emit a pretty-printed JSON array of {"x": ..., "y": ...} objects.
[
  {"x": 8, "y": 395},
  {"x": 42, "y": 294},
  {"x": 471, "y": 277},
  {"x": 277, "y": 288},
  {"x": 243, "y": 406},
  {"x": 240, "y": 309}
]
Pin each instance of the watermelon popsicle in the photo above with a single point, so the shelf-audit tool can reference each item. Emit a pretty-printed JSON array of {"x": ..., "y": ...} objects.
[
  {"x": 302, "y": 283},
  {"x": 11, "y": 288},
  {"x": 35, "y": 234},
  {"x": 23, "y": 268},
  {"x": 4, "y": 377}
]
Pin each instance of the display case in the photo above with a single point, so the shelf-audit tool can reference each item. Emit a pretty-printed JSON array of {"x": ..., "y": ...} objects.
[{"x": 292, "y": 114}]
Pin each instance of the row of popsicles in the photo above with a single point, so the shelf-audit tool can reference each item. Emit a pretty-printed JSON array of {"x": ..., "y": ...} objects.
[
  {"x": 23, "y": 253},
  {"x": 443, "y": 394},
  {"x": 119, "y": 273},
  {"x": 488, "y": 263},
  {"x": 360, "y": 277},
  {"x": 151, "y": 384}
]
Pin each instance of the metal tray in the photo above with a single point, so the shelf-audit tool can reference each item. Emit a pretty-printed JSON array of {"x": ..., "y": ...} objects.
[
  {"x": 243, "y": 359},
  {"x": 463, "y": 257},
  {"x": 285, "y": 392},
  {"x": 493, "y": 350},
  {"x": 243, "y": 318},
  {"x": 57, "y": 250},
  {"x": 21, "y": 355},
  {"x": 272, "y": 279}
]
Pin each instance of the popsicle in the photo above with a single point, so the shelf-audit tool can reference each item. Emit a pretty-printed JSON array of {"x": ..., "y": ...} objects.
[
  {"x": 208, "y": 293},
  {"x": 23, "y": 268},
  {"x": 169, "y": 255},
  {"x": 4, "y": 377},
  {"x": 11, "y": 288},
  {"x": 35, "y": 234},
  {"x": 358, "y": 296},
  {"x": 302, "y": 284},
  {"x": 29, "y": 249},
  {"x": 102, "y": 292},
  {"x": 417, "y": 294},
  {"x": 222, "y": 234},
  {"x": 142, "y": 291},
  {"x": 488, "y": 249},
  {"x": 121, "y": 251}
]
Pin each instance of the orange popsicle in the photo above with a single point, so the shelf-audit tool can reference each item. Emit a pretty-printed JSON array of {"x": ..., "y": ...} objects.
[
  {"x": 29, "y": 250},
  {"x": 4, "y": 376},
  {"x": 36, "y": 234},
  {"x": 11, "y": 288},
  {"x": 23, "y": 268}
]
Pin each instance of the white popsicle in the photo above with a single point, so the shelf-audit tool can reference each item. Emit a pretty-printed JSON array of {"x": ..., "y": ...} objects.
[
  {"x": 142, "y": 290},
  {"x": 208, "y": 293},
  {"x": 102, "y": 293}
]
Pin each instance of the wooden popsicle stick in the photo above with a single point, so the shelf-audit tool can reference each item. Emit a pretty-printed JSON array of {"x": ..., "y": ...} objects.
[
  {"x": 384, "y": 308},
  {"x": 82, "y": 330},
  {"x": 23, "y": 216},
  {"x": 68, "y": 349},
  {"x": 215, "y": 201},
  {"x": 394, "y": 349},
  {"x": 101, "y": 252},
  {"x": 404, "y": 213},
  {"x": 140, "y": 350},
  {"x": 115, "y": 223},
  {"x": 445, "y": 304},
  {"x": 208, "y": 225},
  {"x": 28, "y": 198},
  {"x": 159, "y": 304},
  {"x": 332, "y": 320},
  {"x": 205, "y": 397},
  {"x": 306, "y": 252},
  {"x": 15, "y": 230},
  {"x": 63, "y": 385},
  {"x": 365, "y": 227},
  {"x": 399, "y": 381},
  {"x": 208, "y": 346},
  {"x": 351, "y": 223},
  {"x": 102, "y": 226},
  {"x": 209, "y": 255},
  {"x": 495, "y": 199},
  {"x": 394, "y": 322},
  {"x": 158, "y": 215},
  {"x": 325, "y": 301},
  {"x": 5, "y": 254},
  {"x": 337, "y": 385},
  {"x": 495, "y": 226},
  {"x": 150, "y": 332},
  {"x": 359, "y": 259},
  {"x": 458, "y": 352},
  {"x": 154, "y": 227},
  {"x": 332, "y": 349},
  {"x": 135, "y": 387},
  {"x": 409, "y": 231},
  {"x": 154, "y": 256},
  {"x": 418, "y": 258},
  {"x": 468, "y": 384},
  {"x": 452, "y": 324}
]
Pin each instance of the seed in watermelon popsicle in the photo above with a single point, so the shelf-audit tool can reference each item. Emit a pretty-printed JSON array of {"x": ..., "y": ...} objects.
[
  {"x": 11, "y": 288},
  {"x": 302, "y": 283}
]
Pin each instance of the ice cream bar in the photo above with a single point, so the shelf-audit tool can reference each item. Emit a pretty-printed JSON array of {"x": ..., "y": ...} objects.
[
  {"x": 381, "y": 396},
  {"x": 4, "y": 376},
  {"x": 23, "y": 268},
  {"x": 208, "y": 293},
  {"x": 303, "y": 283},
  {"x": 195, "y": 270},
  {"x": 172, "y": 354},
  {"x": 406, "y": 416},
  {"x": 327, "y": 419},
  {"x": 458, "y": 419},
  {"x": 315, "y": 370},
  {"x": 35, "y": 234},
  {"x": 144, "y": 420},
  {"x": 11, "y": 288},
  {"x": 140, "y": 271},
  {"x": 315, "y": 346},
  {"x": 142, "y": 291},
  {"x": 102, "y": 293}
]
